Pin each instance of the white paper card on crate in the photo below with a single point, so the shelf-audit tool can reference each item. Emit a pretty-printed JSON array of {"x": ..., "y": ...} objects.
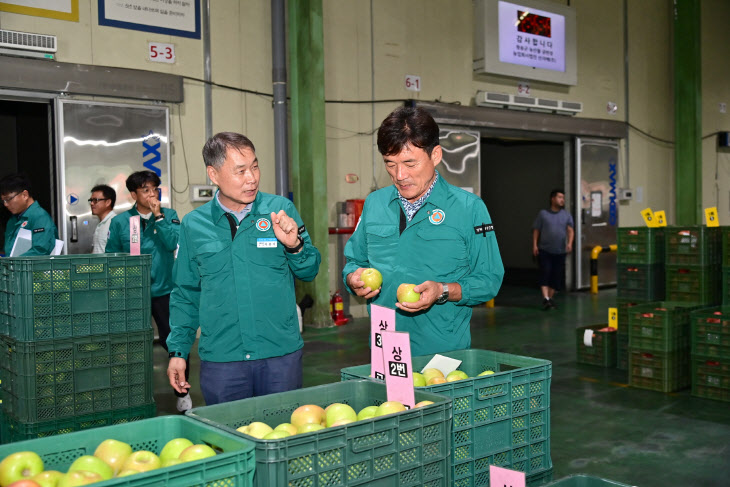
[
  {"x": 504, "y": 477},
  {"x": 23, "y": 242},
  {"x": 444, "y": 364},
  {"x": 588, "y": 338}
]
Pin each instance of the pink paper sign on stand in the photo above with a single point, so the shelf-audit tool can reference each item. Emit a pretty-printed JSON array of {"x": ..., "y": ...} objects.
[
  {"x": 134, "y": 238},
  {"x": 398, "y": 368},
  {"x": 504, "y": 477},
  {"x": 381, "y": 319}
]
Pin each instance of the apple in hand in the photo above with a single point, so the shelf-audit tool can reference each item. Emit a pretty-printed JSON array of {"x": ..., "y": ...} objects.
[
  {"x": 372, "y": 278},
  {"x": 90, "y": 463},
  {"x": 142, "y": 461},
  {"x": 19, "y": 466},
  {"x": 406, "y": 294},
  {"x": 196, "y": 452},
  {"x": 338, "y": 411},
  {"x": 114, "y": 453},
  {"x": 456, "y": 375},
  {"x": 79, "y": 477},
  {"x": 48, "y": 478},
  {"x": 173, "y": 449}
]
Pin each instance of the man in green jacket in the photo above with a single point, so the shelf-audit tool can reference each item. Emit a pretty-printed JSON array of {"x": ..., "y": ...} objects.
[
  {"x": 160, "y": 228},
  {"x": 15, "y": 191},
  {"x": 234, "y": 279},
  {"x": 424, "y": 231}
]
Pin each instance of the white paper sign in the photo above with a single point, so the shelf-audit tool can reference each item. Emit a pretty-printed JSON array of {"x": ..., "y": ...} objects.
[
  {"x": 444, "y": 364},
  {"x": 176, "y": 18},
  {"x": 413, "y": 83},
  {"x": 588, "y": 338}
]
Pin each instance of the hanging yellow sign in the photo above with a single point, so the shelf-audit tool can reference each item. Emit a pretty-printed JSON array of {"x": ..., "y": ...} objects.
[
  {"x": 54, "y": 9},
  {"x": 711, "y": 219},
  {"x": 613, "y": 318},
  {"x": 649, "y": 217},
  {"x": 660, "y": 218}
]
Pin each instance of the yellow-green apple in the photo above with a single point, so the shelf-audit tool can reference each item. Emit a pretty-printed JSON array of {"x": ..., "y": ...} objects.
[
  {"x": 126, "y": 473},
  {"x": 486, "y": 372},
  {"x": 418, "y": 380},
  {"x": 456, "y": 375},
  {"x": 256, "y": 429},
  {"x": 337, "y": 411},
  {"x": 114, "y": 453},
  {"x": 429, "y": 373},
  {"x": 19, "y": 466},
  {"x": 309, "y": 427},
  {"x": 389, "y": 407},
  {"x": 142, "y": 461},
  {"x": 25, "y": 483},
  {"x": 196, "y": 452},
  {"x": 276, "y": 435},
  {"x": 48, "y": 478},
  {"x": 372, "y": 278},
  {"x": 173, "y": 449},
  {"x": 436, "y": 380},
  {"x": 78, "y": 477},
  {"x": 406, "y": 294},
  {"x": 342, "y": 422},
  {"x": 288, "y": 427},
  {"x": 171, "y": 462},
  {"x": 423, "y": 403},
  {"x": 367, "y": 412},
  {"x": 90, "y": 463},
  {"x": 309, "y": 413}
]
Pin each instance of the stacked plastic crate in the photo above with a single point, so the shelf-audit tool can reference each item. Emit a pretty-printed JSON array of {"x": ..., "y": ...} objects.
[
  {"x": 693, "y": 264},
  {"x": 639, "y": 278},
  {"x": 710, "y": 359},
  {"x": 75, "y": 343}
]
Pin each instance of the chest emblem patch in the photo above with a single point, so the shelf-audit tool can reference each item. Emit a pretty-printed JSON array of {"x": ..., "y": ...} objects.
[
  {"x": 24, "y": 224},
  {"x": 437, "y": 217},
  {"x": 263, "y": 224}
]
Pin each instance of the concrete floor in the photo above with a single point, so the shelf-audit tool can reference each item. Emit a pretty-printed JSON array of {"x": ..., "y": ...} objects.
[{"x": 599, "y": 426}]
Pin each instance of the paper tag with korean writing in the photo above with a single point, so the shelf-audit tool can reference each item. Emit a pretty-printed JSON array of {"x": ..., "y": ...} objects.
[
  {"x": 711, "y": 217},
  {"x": 613, "y": 317},
  {"x": 134, "y": 235},
  {"x": 501, "y": 477},
  {"x": 381, "y": 319},
  {"x": 648, "y": 217},
  {"x": 661, "y": 218},
  {"x": 445, "y": 364},
  {"x": 398, "y": 367}
]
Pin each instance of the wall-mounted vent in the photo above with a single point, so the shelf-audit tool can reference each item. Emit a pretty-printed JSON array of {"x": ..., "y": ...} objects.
[
  {"x": 25, "y": 41},
  {"x": 520, "y": 102}
]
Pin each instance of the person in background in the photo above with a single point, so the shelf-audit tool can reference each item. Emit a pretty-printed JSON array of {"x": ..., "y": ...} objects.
[
  {"x": 159, "y": 236},
  {"x": 552, "y": 240},
  {"x": 17, "y": 196},
  {"x": 102, "y": 202}
]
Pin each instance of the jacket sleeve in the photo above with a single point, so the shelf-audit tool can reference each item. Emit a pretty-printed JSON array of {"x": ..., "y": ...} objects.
[
  {"x": 43, "y": 239},
  {"x": 114, "y": 242},
  {"x": 168, "y": 229},
  {"x": 184, "y": 299},
  {"x": 483, "y": 281},
  {"x": 356, "y": 250},
  {"x": 305, "y": 264}
]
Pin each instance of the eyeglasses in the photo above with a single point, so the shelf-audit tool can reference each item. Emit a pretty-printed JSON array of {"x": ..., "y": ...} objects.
[
  {"x": 8, "y": 200},
  {"x": 96, "y": 200}
]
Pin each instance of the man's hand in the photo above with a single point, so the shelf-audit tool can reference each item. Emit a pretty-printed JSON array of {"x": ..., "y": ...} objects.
[
  {"x": 154, "y": 205},
  {"x": 176, "y": 374},
  {"x": 285, "y": 229},
  {"x": 358, "y": 287},
  {"x": 535, "y": 250},
  {"x": 569, "y": 248},
  {"x": 430, "y": 292}
]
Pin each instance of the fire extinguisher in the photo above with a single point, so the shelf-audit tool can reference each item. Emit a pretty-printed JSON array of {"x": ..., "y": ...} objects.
[{"x": 338, "y": 309}]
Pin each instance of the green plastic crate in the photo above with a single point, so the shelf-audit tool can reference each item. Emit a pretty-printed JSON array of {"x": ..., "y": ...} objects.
[
  {"x": 47, "y": 298},
  {"x": 75, "y": 376},
  {"x": 603, "y": 349},
  {"x": 539, "y": 479},
  {"x": 233, "y": 466},
  {"x": 585, "y": 481},
  {"x": 623, "y": 305},
  {"x": 661, "y": 326},
  {"x": 693, "y": 245},
  {"x": 640, "y": 245},
  {"x": 659, "y": 371},
  {"x": 12, "y": 430},
  {"x": 690, "y": 283},
  {"x": 710, "y": 332},
  {"x": 407, "y": 448},
  {"x": 725, "y": 277},
  {"x": 640, "y": 281},
  {"x": 500, "y": 419},
  {"x": 711, "y": 377},
  {"x": 725, "y": 231},
  {"x": 622, "y": 349}
]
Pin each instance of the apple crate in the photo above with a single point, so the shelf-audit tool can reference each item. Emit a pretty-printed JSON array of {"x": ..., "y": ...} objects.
[
  {"x": 585, "y": 481},
  {"x": 661, "y": 326},
  {"x": 692, "y": 283},
  {"x": 710, "y": 332},
  {"x": 501, "y": 419},
  {"x": 659, "y": 371},
  {"x": 233, "y": 466},
  {"x": 711, "y": 377},
  {"x": 693, "y": 245},
  {"x": 640, "y": 245},
  {"x": 410, "y": 448},
  {"x": 47, "y": 298},
  {"x": 75, "y": 376},
  {"x": 602, "y": 351},
  {"x": 640, "y": 281},
  {"x": 13, "y": 430}
]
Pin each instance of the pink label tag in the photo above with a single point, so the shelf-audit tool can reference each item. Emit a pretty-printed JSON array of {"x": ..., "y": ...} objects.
[
  {"x": 503, "y": 477},
  {"x": 134, "y": 235},
  {"x": 381, "y": 319},
  {"x": 398, "y": 367}
]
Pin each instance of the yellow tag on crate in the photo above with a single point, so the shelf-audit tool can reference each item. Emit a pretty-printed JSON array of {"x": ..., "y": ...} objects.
[
  {"x": 660, "y": 218},
  {"x": 648, "y": 217},
  {"x": 613, "y": 317},
  {"x": 711, "y": 217}
]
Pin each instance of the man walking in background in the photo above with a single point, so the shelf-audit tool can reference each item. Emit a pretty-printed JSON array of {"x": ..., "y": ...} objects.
[
  {"x": 552, "y": 240},
  {"x": 102, "y": 202},
  {"x": 15, "y": 192}
]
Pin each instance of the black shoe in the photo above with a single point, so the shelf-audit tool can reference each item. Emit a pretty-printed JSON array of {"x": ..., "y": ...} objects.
[
  {"x": 552, "y": 304},
  {"x": 546, "y": 304}
]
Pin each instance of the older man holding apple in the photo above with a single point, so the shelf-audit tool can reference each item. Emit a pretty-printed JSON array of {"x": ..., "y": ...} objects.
[{"x": 433, "y": 243}]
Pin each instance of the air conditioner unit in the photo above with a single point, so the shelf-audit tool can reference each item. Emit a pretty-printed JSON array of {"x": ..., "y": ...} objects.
[
  {"x": 27, "y": 44},
  {"x": 521, "y": 102}
]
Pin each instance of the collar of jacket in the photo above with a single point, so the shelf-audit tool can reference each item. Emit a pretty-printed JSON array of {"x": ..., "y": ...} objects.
[
  {"x": 216, "y": 212},
  {"x": 437, "y": 198}
]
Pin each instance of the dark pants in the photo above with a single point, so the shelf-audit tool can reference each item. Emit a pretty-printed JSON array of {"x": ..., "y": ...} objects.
[
  {"x": 230, "y": 381},
  {"x": 552, "y": 270},
  {"x": 161, "y": 314}
]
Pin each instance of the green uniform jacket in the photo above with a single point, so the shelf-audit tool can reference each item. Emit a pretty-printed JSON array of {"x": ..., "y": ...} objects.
[
  {"x": 40, "y": 223},
  {"x": 239, "y": 291},
  {"x": 158, "y": 239},
  {"x": 449, "y": 239}
]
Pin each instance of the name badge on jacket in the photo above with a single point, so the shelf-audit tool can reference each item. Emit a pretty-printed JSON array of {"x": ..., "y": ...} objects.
[{"x": 266, "y": 243}]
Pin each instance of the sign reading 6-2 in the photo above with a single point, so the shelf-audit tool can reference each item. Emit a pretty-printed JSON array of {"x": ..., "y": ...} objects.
[{"x": 161, "y": 53}]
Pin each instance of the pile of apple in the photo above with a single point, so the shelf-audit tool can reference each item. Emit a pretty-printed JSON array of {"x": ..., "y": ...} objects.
[
  {"x": 430, "y": 377},
  {"x": 311, "y": 417},
  {"x": 111, "y": 459}
]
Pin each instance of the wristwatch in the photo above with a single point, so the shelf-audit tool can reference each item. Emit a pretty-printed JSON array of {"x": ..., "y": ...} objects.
[
  {"x": 444, "y": 295},
  {"x": 296, "y": 249}
]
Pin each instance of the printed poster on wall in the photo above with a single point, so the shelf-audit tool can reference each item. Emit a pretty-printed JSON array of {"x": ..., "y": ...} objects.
[
  {"x": 172, "y": 17},
  {"x": 54, "y": 9}
]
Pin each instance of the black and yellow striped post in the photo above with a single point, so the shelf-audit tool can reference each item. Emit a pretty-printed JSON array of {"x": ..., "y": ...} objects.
[{"x": 598, "y": 249}]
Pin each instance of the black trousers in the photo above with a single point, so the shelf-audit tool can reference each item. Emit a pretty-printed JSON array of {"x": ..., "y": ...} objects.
[{"x": 161, "y": 314}]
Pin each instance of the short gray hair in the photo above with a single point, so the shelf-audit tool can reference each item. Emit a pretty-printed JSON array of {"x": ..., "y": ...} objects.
[{"x": 216, "y": 148}]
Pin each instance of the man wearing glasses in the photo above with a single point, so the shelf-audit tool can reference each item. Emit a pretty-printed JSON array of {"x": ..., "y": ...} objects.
[
  {"x": 102, "y": 202},
  {"x": 15, "y": 192}
]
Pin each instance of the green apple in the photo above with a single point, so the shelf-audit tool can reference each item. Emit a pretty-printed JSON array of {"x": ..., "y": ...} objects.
[
  {"x": 422, "y": 403},
  {"x": 372, "y": 278},
  {"x": 114, "y": 453},
  {"x": 406, "y": 294},
  {"x": 276, "y": 435},
  {"x": 389, "y": 407},
  {"x": 288, "y": 427},
  {"x": 79, "y": 477},
  {"x": 418, "y": 380},
  {"x": 338, "y": 411},
  {"x": 309, "y": 427},
  {"x": 367, "y": 413},
  {"x": 142, "y": 461},
  {"x": 428, "y": 374},
  {"x": 456, "y": 375},
  {"x": 486, "y": 372},
  {"x": 196, "y": 452},
  {"x": 19, "y": 466},
  {"x": 48, "y": 478},
  {"x": 126, "y": 473},
  {"x": 173, "y": 448},
  {"x": 256, "y": 429},
  {"x": 171, "y": 462},
  {"x": 90, "y": 463}
]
